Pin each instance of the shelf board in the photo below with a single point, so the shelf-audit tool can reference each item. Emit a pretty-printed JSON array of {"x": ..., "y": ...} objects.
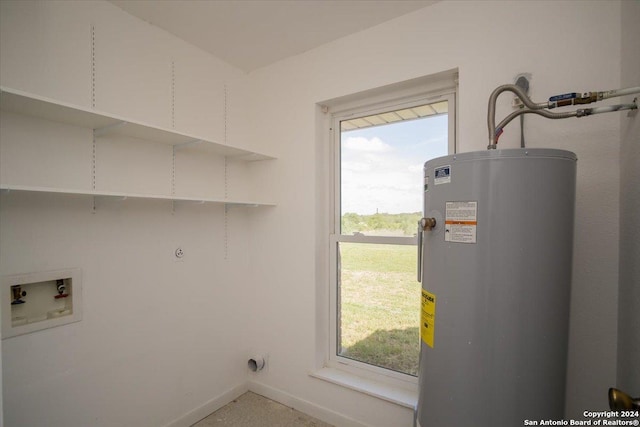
[
  {"x": 123, "y": 196},
  {"x": 108, "y": 124}
]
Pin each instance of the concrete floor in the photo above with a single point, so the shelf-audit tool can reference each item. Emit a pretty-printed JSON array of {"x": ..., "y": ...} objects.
[{"x": 252, "y": 410}]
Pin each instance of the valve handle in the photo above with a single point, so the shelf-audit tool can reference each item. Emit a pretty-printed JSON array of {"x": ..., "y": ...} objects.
[{"x": 423, "y": 224}]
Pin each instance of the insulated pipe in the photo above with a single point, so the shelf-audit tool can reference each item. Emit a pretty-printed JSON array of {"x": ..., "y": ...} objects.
[
  {"x": 538, "y": 108},
  {"x": 543, "y": 113},
  {"x": 491, "y": 116},
  {"x": 619, "y": 92},
  {"x": 583, "y": 112},
  {"x": 597, "y": 110}
]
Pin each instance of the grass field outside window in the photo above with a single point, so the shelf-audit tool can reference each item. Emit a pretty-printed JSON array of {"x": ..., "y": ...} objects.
[{"x": 379, "y": 305}]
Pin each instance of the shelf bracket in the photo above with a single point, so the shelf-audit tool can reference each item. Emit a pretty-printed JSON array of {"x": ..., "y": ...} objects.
[
  {"x": 229, "y": 205},
  {"x": 175, "y": 202},
  {"x": 187, "y": 144},
  {"x": 107, "y": 129}
]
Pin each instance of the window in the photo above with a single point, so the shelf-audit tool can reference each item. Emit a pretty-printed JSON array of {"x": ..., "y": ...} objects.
[{"x": 379, "y": 154}]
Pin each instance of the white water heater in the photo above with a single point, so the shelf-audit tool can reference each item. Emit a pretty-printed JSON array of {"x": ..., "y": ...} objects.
[{"x": 496, "y": 257}]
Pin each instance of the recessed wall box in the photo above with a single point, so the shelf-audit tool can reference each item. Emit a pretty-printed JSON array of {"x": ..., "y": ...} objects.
[{"x": 36, "y": 301}]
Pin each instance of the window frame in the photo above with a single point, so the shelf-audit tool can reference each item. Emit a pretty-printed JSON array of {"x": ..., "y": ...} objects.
[{"x": 446, "y": 92}]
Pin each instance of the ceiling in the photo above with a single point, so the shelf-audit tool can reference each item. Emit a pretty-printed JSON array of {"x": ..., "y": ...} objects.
[{"x": 250, "y": 34}]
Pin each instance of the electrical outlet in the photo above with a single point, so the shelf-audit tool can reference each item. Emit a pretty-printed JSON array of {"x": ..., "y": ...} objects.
[
  {"x": 523, "y": 81},
  {"x": 179, "y": 254}
]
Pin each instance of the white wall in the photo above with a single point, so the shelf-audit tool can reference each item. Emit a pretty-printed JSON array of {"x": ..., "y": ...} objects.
[
  {"x": 161, "y": 342},
  {"x": 566, "y": 45},
  {"x": 629, "y": 317},
  {"x": 159, "y": 338}
]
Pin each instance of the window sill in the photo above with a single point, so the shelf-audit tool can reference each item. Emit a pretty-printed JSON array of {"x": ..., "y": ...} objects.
[{"x": 399, "y": 396}]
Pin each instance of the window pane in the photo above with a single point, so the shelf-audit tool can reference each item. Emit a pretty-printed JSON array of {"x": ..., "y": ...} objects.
[
  {"x": 379, "y": 305},
  {"x": 381, "y": 168}
]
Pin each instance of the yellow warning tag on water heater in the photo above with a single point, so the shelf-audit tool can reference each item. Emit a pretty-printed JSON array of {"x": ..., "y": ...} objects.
[{"x": 427, "y": 317}]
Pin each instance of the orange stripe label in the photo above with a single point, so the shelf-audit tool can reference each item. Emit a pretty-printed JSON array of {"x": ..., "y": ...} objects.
[{"x": 461, "y": 221}]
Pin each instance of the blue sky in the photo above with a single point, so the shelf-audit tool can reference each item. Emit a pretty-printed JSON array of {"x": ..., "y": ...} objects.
[{"x": 382, "y": 165}]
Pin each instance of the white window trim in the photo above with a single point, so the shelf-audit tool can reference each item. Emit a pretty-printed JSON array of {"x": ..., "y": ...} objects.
[{"x": 383, "y": 383}]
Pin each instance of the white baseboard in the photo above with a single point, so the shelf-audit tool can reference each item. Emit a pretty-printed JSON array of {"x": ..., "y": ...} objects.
[
  {"x": 301, "y": 405},
  {"x": 192, "y": 417},
  {"x": 309, "y": 408}
]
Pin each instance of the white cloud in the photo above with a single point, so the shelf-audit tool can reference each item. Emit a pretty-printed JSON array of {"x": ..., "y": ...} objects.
[
  {"x": 355, "y": 166},
  {"x": 415, "y": 168},
  {"x": 382, "y": 166},
  {"x": 385, "y": 183},
  {"x": 359, "y": 143}
]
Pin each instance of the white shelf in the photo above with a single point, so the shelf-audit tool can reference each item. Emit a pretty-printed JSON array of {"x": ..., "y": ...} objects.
[
  {"x": 104, "y": 123},
  {"x": 119, "y": 195}
]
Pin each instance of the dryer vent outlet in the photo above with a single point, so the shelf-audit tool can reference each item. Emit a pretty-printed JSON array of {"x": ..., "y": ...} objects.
[{"x": 256, "y": 363}]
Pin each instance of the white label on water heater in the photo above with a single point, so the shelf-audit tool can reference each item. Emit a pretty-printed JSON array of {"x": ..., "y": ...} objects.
[
  {"x": 461, "y": 222},
  {"x": 442, "y": 175}
]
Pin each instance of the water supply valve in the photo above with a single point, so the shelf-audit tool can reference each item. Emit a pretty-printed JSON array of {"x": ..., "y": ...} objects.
[
  {"x": 423, "y": 224},
  {"x": 61, "y": 287},
  {"x": 541, "y": 108},
  {"x": 17, "y": 294},
  {"x": 428, "y": 223}
]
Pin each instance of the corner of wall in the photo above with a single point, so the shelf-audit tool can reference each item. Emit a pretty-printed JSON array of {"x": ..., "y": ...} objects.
[{"x": 628, "y": 370}]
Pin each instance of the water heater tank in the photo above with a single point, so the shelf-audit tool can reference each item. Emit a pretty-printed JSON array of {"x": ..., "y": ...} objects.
[{"x": 496, "y": 276}]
